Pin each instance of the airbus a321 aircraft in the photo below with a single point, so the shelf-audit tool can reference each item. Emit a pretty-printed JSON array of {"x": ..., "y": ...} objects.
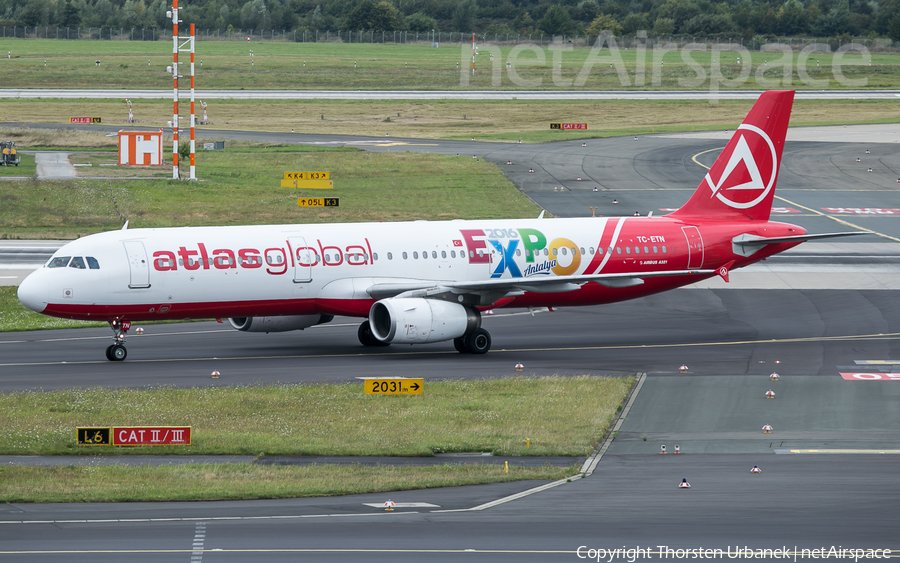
[{"x": 420, "y": 282}]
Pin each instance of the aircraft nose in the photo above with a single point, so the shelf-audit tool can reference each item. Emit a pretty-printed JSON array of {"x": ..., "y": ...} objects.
[{"x": 33, "y": 292}]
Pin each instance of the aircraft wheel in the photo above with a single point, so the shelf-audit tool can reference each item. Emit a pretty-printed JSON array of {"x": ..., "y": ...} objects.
[
  {"x": 365, "y": 334},
  {"x": 118, "y": 353},
  {"x": 479, "y": 342},
  {"x": 460, "y": 345},
  {"x": 366, "y": 338},
  {"x": 109, "y": 352}
]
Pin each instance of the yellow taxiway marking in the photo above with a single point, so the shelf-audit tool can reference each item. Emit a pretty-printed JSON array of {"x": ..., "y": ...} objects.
[
  {"x": 812, "y": 339},
  {"x": 819, "y": 213}
]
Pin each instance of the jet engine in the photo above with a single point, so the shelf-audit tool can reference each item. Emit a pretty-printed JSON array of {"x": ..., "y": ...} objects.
[
  {"x": 278, "y": 324},
  {"x": 417, "y": 320}
]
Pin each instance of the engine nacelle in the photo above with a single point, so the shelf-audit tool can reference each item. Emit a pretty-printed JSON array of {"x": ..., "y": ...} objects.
[
  {"x": 417, "y": 320},
  {"x": 278, "y": 324}
]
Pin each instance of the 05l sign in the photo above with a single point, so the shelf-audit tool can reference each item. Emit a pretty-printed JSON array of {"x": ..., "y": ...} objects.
[{"x": 394, "y": 386}]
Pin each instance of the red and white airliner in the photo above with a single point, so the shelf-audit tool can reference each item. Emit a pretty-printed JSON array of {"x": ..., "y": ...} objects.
[{"x": 421, "y": 281}]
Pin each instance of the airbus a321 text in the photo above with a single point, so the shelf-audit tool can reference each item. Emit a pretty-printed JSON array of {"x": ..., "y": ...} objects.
[{"x": 426, "y": 281}]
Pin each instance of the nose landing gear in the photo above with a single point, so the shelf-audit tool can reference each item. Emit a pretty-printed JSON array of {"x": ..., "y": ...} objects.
[{"x": 116, "y": 352}]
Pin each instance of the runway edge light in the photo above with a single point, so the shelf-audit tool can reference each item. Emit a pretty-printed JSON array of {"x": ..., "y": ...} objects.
[{"x": 684, "y": 484}]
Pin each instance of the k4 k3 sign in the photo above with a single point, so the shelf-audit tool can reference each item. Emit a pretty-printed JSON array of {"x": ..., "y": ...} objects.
[{"x": 135, "y": 436}]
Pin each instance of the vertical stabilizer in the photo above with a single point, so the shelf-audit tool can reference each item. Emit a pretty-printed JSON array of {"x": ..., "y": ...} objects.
[{"x": 741, "y": 183}]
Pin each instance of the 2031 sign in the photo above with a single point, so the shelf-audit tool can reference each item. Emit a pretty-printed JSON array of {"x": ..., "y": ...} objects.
[{"x": 394, "y": 386}]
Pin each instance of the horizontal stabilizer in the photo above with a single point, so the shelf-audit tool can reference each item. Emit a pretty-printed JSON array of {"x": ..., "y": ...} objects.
[{"x": 747, "y": 244}]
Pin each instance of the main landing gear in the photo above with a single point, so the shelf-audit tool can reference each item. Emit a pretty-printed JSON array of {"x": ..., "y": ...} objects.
[
  {"x": 116, "y": 352},
  {"x": 366, "y": 338},
  {"x": 476, "y": 342}
]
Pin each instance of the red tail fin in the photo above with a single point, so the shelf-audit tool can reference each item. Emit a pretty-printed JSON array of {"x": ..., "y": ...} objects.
[{"x": 741, "y": 183}]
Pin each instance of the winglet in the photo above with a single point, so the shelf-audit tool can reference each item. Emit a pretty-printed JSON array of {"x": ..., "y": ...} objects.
[
  {"x": 541, "y": 216},
  {"x": 723, "y": 270}
]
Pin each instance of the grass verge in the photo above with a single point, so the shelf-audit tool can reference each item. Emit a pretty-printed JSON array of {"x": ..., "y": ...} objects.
[
  {"x": 243, "y": 481},
  {"x": 560, "y": 416},
  {"x": 49, "y": 63},
  {"x": 26, "y": 166},
  {"x": 453, "y": 119},
  {"x": 241, "y": 186}
]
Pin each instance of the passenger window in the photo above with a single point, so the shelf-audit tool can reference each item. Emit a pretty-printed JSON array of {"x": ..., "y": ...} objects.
[
  {"x": 434, "y": 253},
  {"x": 664, "y": 249},
  {"x": 374, "y": 256},
  {"x": 518, "y": 252},
  {"x": 646, "y": 250},
  {"x": 405, "y": 256},
  {"x": 59, "y": 262},
  {"x": 655, "y": 249},
  {"x": 77, "y": 262},
  {"x": 443, "y": 253},
  {"x": 564, "y": 251},
  {"x": 545, "y": 252},
  {"x": 390, "y": 256},
  {"x": 582, "y": 251},
  {"x": 627, "y": 250},
  {"x": 425, "y": 255},
  {"x": 452, "y": 254},
  {"x": 92, "y": 263},
  {"x": 618, "y": 250},
  {"x": 637, "y": 250},
  {"x": 416, "y": 255},
  {"x": 471, "y": 254}
]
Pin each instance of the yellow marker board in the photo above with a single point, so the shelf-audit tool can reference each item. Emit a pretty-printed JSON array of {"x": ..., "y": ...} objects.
[
  {"x": 393, "y": 386},
  {"x": 319, "y": 202},
  {"x": 306, "y": 176},
  {"x": 308, "y": 184}
]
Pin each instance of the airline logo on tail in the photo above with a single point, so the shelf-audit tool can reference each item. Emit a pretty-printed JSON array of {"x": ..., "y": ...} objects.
[{"x": 746, "y": 179}]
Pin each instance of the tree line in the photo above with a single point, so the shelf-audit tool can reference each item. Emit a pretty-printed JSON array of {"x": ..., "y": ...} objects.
[{"x": 705, "y": 18}]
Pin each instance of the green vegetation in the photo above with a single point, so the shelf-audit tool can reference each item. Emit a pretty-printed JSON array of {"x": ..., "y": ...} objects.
[
  {"x": 446, "y": 119},
  {"x": 243, "y": 187},
  {"x": 825, "y": 18},
  {"x": 560, "y": 416},
  {"x": 313, "y": 66},
  {"x": 243, "y": 481},
  {"x": 26, "y": 167}
]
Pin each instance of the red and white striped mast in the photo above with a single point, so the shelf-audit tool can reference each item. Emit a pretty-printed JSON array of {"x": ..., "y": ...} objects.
[
  {"x": 473, "y": 54},
  {"x": 175, "y": 93},
  {"x": 193, "y": 172},
  {"x": 175, "y": 48}
]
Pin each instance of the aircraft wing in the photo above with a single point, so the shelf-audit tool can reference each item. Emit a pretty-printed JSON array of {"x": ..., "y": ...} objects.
[{"x": 487, "y": 292}]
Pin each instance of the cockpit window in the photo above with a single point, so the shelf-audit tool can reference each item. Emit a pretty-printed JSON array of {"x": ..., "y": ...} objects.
[
  {"x": 92, "y": 263},
  {"x": 77, "y": 262},
  {"x": 59, "y": 262}
]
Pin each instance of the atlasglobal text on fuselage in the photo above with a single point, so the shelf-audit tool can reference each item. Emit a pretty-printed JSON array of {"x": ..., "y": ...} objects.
[{"x": 423, "y": 281}]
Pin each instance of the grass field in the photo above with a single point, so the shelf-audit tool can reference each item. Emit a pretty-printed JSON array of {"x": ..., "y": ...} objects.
[
  {"x": 560, "y": 416},
  {"x": 242, "y": 186},
  {"x": 286, "y": 65},
  {"x": 243, "y": 481},
  {"x": 26, "y": 165},
  {"x": 450, "y": 119}
]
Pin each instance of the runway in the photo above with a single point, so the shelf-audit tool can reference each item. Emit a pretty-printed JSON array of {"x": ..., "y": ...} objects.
[
  {"x": 145, "y": 94},
  {"x": 820, "y": 311}
]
